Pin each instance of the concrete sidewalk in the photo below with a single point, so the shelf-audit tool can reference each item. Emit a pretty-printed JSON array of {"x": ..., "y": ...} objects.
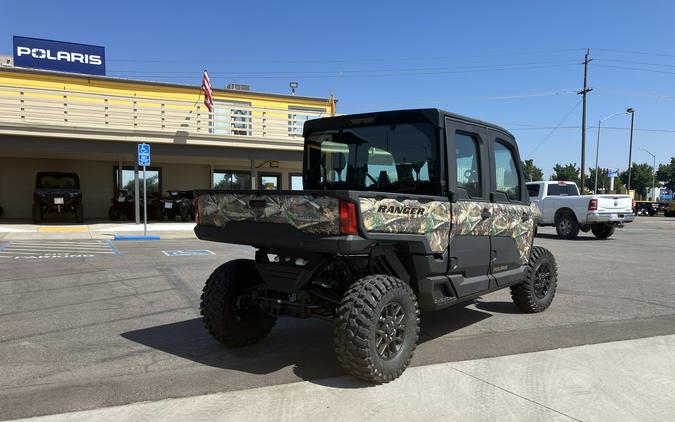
[
  {"x": 93, "y": 231},
  {"x": 630, "y": 380}
]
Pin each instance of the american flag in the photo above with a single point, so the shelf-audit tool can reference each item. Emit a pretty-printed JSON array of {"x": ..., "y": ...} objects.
[{"x": 208, "y": 94}]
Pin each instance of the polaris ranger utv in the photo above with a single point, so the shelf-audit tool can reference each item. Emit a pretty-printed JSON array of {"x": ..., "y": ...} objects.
[{"x": 402, "y": 211}]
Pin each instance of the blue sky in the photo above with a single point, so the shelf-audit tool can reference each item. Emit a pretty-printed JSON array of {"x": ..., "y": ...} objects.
[{"x": 513, "y": 63}]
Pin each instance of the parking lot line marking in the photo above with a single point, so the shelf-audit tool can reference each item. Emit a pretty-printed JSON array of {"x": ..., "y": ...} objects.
[
  {"x": 49, "y": 250},
  {"x": 114, "y": 248},
  {"x": 63, "y": 229}
]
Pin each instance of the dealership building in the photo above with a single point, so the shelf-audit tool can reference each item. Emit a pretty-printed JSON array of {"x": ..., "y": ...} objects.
[{"x": 91, "y": 124}]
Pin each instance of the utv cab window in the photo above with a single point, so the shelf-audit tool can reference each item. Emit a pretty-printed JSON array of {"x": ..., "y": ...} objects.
[
  {"x": 399, "y": 158},
  {"x": 468, "y": 164},
  {"x": 506, "y": 172},
  {"x": 57, "y": 181}
]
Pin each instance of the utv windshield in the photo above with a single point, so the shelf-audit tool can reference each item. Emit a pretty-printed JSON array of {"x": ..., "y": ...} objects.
[
  {"x": 57, "y": 181},
  {"x": 400, "y": 158}
]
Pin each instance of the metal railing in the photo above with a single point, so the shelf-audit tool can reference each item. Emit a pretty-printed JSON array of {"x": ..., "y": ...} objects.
[{"x": 40, "y": 107}]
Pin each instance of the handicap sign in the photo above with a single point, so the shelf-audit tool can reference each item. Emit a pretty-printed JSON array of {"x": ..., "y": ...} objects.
[
  {"x": 192, "y": 252},
  {"x": 143, "y": 154}
]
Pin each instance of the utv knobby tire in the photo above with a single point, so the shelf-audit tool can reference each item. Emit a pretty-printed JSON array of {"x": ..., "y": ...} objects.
[
  {"x": 114, "y": 213},
  {"x": 79, "y": 213},
  {"x": 37, "y": 214},
  {"x": 566, "y": 226},
  {"x": 359, "y": 315},
  {"x": 528, "y": 295},
  {"x": 219, "y": 309},
  {"x": 184, "y": 215},
  {"x": 602, "y": 231}
]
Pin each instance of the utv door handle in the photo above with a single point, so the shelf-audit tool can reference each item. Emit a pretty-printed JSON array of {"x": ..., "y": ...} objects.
[{"x": 486, "y": 214}]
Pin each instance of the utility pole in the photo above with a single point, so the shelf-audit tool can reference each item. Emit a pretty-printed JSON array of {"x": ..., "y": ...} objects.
[{"x": 583, "y": 93}]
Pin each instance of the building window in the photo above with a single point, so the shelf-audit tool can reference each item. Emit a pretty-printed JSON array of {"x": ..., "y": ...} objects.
[
  {"x": 295, "y": 181},
  {"x": 297, "y": 117},
  {"x": 230, "y": 118},
  {"x": 154, "y": 181},
  {"x": 269, "y": 181},
  {"x": 231, "y": 179}
]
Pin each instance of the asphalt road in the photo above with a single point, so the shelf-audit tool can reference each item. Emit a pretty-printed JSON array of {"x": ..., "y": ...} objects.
[{"x": 93, "y": 323}]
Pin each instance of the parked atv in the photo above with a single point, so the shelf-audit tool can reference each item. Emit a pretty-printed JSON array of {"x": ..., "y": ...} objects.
[
  {"x": 57, "y": 193},
  {"x": 122, "y": 206},
  {"x": 178, "y": 204}
]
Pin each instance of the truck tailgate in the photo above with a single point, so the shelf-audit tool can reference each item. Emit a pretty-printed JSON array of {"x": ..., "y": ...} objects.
[{"x": 615, "y": 203}]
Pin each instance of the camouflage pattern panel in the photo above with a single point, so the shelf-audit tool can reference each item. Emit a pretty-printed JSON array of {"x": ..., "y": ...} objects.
[
  {"x": 467, "y": 220},
  {"x": 505, "y": 220},
  {"x": 518, "y": 222},
  {"x": 431, "y": 219},
  {"x": 308, "y": 213}
]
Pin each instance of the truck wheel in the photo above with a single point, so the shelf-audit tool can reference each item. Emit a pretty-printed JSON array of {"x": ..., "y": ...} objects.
[
  {"x": 114, "y": 213},
  {"x": 602, "y": 231},
  {"x": 228, "y": 312},
  {"x": 566, "y": 226},
  {"x": 377, "y": 328},
  {"x": 536, "y": 292}
]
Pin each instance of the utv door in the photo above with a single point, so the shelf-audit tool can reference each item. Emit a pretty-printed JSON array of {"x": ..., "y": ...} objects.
[
  {"x": 468, "y": 179},
  {"x": 509, "y": 197}
]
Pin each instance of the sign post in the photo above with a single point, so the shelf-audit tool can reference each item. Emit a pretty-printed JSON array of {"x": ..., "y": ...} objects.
[
  {"x": 612, "y": 173},
  {"x": 143, "y": 161}
]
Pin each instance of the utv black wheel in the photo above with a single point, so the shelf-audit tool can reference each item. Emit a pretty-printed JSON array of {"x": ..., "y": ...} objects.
[
  {"x": 536, "y": 292},
  {"x": 114, "y": 213},
  {"x": 377, "y": 328},
  {"x": 184, "y": 215},
  {"x": 566, "y": 226},
  {"x": 37, "y": 214},
  {"x": 79, "y": 213},
  {"x": 602, "y": 232},
  {"x": 228, "y": 311}
]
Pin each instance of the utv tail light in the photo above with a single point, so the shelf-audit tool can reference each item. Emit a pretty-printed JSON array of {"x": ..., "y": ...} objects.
[
  {"x": 348, "y": 223},
  {"x": 593, "y": 205},
  {"x": 196, "y": 204}
]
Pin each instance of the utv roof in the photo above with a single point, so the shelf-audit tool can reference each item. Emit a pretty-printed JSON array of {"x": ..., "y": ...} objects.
[{"x": 433, "y": 115}]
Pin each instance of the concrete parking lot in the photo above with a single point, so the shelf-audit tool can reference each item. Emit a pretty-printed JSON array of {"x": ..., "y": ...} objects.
[{"x": 103, "y": 323}]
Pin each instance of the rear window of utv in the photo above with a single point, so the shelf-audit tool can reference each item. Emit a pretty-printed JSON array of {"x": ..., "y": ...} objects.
[{"x": 398, "y": 158}]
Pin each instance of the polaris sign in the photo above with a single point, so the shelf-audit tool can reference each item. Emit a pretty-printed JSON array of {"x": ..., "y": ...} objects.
[{"x": 61, "y": 56}]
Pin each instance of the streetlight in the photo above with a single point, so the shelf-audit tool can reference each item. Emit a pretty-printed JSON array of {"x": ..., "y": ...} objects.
[
  {"x": 630, "y": 148},
  {"x": 653, "y": 174},
  {"x": 597, "y": 148}
]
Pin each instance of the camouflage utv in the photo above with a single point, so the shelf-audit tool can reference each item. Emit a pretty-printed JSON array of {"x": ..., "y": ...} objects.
[{"x": 402, "y": 211}]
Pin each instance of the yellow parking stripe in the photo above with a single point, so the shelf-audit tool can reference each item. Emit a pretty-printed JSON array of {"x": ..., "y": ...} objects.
[{"x": 63, "y": 228}]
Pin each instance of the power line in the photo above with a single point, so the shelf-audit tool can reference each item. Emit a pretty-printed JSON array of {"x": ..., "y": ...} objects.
[
  {"x": 645, "y": 53},
  {"x": 555, "y": 128},
  {"x": 343, "y": 60},
  {"x": 635, "y": 68},
  {"x": 362, "y": 75},
  {"x": 287, "y": 72}
]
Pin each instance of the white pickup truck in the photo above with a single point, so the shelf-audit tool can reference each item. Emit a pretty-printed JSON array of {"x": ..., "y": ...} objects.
[{"x": 563, "y": 207}]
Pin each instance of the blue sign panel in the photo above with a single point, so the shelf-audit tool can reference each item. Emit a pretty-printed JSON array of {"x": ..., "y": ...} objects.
[
  {"x": 36, "y": 53},
  {"x": 143, "y": 154},
  {"x": 612, "y": 172}
]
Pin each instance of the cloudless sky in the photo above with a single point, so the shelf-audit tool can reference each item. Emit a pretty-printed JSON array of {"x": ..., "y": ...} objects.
[{"x": 517, "y": 64}]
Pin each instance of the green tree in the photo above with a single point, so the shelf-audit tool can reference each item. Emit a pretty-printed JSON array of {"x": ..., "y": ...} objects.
[
  {"x": 641, "y": 178},
  {"x": 603, "y": 180},
  {"x": 666, "y": 174},
  {"x": 568, "y": 172},
  {"x": 532, "y": 172}
]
